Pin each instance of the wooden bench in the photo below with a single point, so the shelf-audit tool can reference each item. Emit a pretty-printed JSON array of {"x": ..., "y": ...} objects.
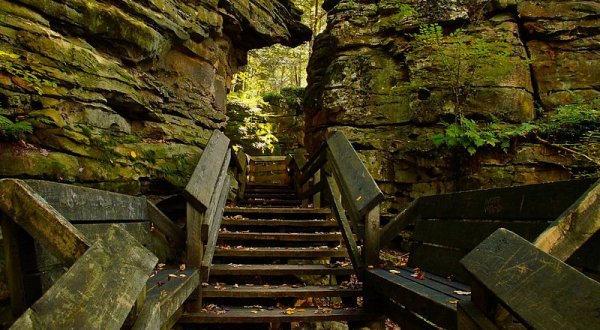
[
  {"x": 540, "y": 290},
  {"x": 447, "y": 227}
]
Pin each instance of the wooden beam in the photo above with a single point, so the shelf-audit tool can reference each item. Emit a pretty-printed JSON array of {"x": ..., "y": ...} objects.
[
  {"x": 344, "y": 224},
  {"x": 213, "y": 233},
  {"x": 409, "y": 215},
  {"x": 471, "y": 318},
  {"x": 371, "y": 244},
  {"x": 534, "y": 285},
  {"x": 110, "y": 272},
  {"x": 199, "y": 189},
  {"x": 356, "y": 183},
  {"x": 48, "y": 227},
  {"x": 574, "y": 227},
  {"x": 174, "y": 234},
  {"x": 194, "y": 247},
  {"x": 80, "y": 204}
]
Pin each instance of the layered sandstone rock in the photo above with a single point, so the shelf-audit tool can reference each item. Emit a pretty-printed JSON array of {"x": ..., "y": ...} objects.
[{"x": 124, "y": 95}]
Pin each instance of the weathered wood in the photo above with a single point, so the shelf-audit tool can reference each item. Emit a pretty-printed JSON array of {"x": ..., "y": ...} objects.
[
  {"x": 245, "y": 315},
  {"x": 533, "y": 284},
  {"x": 107, "y": 274},
  {"x": 409, "y": 215},
  {"x": 312, "y": 167},
  {"x": 471, "y": 318},
  {"x": 241, "y": 161},
  {"x": 279, "y": 223},
  {"x": 20, "y": 203},
  {"x": 313, "y": 191},
  {"x": 80, "y": 204},
  {"x": 586, "y": 257},
  {"x": 281, "y": 252},
  {"x": 343, "y": 223},
  {"x": 275, "y": 291},
  {"x": 282, "y": 237},
  {"x": 402, "y": 316},
  {"x": 213, "y": 233},
  {"x": 277, "y": 167},
  {"x": 279, "y": 270},
  {"x": 172, "y": 232},
  {"x": 290, "y": 210},
  {"x": 356, "y": 183},
  {"x": 440, "y": 260},
  {"x": 539, "y": 201},
  {"x": 211, "y": 211},
  {"x": 194, "y": 247},
  {"x": 466, "y": 234},
  {"x": 258, "y": 159},
  {"x": 165, "y": 296},
  {"x": 431, "y": 304},
  {"x": 317, "y": 195},
  {"x": 574, "y": 227},
  {"x": 199, "y": 189},
  {"x": 371, "y": 243}
]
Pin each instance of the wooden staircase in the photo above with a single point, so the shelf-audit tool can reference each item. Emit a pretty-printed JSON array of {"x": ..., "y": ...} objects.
[{"x": 278, "y": 264}]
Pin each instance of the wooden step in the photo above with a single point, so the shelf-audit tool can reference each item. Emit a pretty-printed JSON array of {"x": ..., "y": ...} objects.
[
  {"x": 284, "y": 195},
  {"x": 272, "y": 211},
  {"x": 300, "y": 314},
  {"x": 279, "y": 270},
  {"x": 278, "y": 291},
  {"x": 271, "y": 202},
  {"x": 279, "y": 223},
  {"x": 281, "y": 252},
  {"x": 285, "y": 237}
]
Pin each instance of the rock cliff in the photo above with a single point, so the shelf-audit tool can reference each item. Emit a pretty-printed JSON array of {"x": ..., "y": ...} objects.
[
  {"x": 368, "y": 80},
  {"x": 123, "y": 95}
]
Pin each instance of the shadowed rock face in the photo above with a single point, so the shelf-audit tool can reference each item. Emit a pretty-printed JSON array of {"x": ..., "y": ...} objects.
[
  {"x": 363, "y": 72},
  {"x": 123, "y": 95}
]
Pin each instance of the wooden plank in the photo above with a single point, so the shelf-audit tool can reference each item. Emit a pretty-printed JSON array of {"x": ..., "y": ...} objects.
[
  {"x": 270, "y": 211},
  {"x": 213, "y": 233},
  {"x": 175, "y": 236},
  {"x": 280, "y": 237},
  {"x": 533, "y": 284},
  {"x": 279, "y": 223},
  {"x": 431, "y": 281},
  {"x": 20, "y": 203},
  {"x": 278, "y": 167},
  {"x": 356, "y": 183},
  {"x": 278, "y": 270},
  {"x": 245, "y": 315},
  {"x": 344, "y": 224},
  {"x": 80, "y": 204},
  {"x": 212, "y": 210},
  {"x": 194, "y": 247},
  {"x": 165, "y": 296},
  {"x": 278, "y": 291},
  {"x": 107, "y": 274},
  {"x": 313, "y": 191},
  {"x": 199, "y": 189},
  {"x": 409, "y": 215},
  {"x": 574, "y": 227},
  {"x": 586, "y": 257},
  {"x": 470, "y": 318},
  {"x": 431, "y": 304},
  {"x": 402, "y": 316},
  {"x": 371, "y": 241},
  {"x": 281, "y": 252},
  {"x": 466, "y": 234},
  {"x": 317, "y": 196},
  {"x": 538, "y": 201},
  {"x": 312, "y": 167},
  {"x": 439, "y": 260},
  {"x": 268, "y": 158}
]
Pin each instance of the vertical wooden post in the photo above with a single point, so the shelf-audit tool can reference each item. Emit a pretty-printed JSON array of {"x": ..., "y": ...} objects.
[
  {"x": 317, "y": 196},
  {"x": 194, "y": 249},
  {"x": 372, "y": 234}
]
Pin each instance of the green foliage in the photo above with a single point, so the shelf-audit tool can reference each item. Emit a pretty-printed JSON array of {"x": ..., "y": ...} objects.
[
  {"x": 404, "y": 11},
  {"x": 11, "y": 64},
  {"x": 258, "y": 131},
  {"x": 14, "y": 130},
  {"x": 463, "y": 59},
  {"x": 571, "y": 122}
]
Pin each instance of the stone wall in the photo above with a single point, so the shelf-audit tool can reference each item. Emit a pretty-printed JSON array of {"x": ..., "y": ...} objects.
[
  {"x": 123, "y": 95},
  {"x": 363, "y": 73}
]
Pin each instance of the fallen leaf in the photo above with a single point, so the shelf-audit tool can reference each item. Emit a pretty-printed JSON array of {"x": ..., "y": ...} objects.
[
  {"x": 181, "y": 267},
  {"x": 394, "y": 271},
  {"x": 133, "y": 154},
  {"x": 453, "y": 301},
  {"x": 462, "y": 293}
]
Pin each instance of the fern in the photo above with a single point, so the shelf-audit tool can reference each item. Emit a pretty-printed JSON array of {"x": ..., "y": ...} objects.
[{"x": 14, "y": 130}]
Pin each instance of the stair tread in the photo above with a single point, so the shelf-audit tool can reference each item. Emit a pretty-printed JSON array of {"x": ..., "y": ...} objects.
[
  {"x": 274, "y": 291},
  {"x": 279, "y": 222},
  {"x": 283, "y": 195},
  {"x": 280, "y": 210},
  {"x": 300, "y": 314},
  {"x": 280, "y": 252},
  {"x": 286, "y": 269},
  {"x": 261, "y": 236}
]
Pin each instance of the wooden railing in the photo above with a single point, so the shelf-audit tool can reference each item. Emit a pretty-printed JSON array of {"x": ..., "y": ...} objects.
[
  {"x": 206, "y": 194},
  {"x": 337, "y": 170}
]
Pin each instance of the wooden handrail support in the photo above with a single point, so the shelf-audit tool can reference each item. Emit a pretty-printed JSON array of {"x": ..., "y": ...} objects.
[
  {"x": 206, "y": 194},
  {"x": 356, "y": 197}
]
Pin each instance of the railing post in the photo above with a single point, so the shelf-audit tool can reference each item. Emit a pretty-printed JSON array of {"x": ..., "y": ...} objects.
[
  {"x": 372, "y": 237},
  {"x": 317, "y": 196}
]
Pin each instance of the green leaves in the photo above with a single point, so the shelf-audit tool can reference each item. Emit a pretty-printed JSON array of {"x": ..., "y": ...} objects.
[{"x": 14, "y": 130}]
